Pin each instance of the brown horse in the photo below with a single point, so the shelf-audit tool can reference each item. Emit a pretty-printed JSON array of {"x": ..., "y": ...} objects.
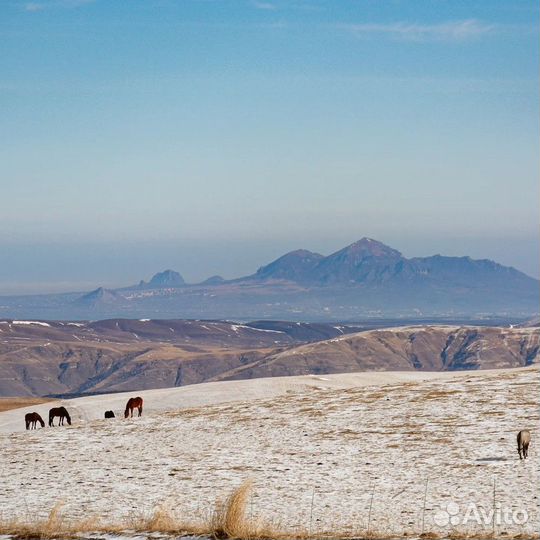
[
  {"x": 523, "y": 441},
  {"x": 62, "y": 413},
  {"x": 31, "y": 419},
  {"x": 133, "y": 403}
]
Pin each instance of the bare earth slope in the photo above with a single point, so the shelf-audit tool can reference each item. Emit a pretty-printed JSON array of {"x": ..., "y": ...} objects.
[
  {"x": 72, "y": 358},
  {"x": 50, "y": 357},
  {"x": 430, "y": 348},
  {"x": 321, "y": 451},
  {"x": 7, "y": 404}
]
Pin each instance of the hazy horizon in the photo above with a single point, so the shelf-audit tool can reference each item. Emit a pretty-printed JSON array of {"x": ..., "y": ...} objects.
[
  {"x": 212, "y": 137},
  {"x": 126, "y": 264}
]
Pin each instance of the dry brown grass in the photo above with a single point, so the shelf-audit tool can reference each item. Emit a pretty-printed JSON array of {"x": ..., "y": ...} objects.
[
  {"x": 229, "y": 520},
  {"x": 53, "y": 526},
  {"x": 436, "y": 394},
  {"x": 162, "y": 519},
  {"x": 9, "y": 403}
]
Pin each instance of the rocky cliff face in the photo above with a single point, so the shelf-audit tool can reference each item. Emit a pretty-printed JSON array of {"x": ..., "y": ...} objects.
[{"x": 432, "y": 348}]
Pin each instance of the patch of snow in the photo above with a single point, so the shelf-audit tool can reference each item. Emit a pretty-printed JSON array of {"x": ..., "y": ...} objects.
[
  {"x": 236, "y": 326},
  {"x": 39, "y": 323},
  {"x": 265, "y": 330}
]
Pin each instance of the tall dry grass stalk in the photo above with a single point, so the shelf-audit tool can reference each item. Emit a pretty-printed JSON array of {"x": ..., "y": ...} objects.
[{"x": 229, "y": 519}]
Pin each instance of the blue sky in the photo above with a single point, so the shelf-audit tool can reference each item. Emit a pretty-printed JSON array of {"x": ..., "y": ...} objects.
[{"x": 213, "y": 135}]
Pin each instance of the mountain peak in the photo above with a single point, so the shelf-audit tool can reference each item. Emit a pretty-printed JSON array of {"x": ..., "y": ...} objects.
[
  {"x": 213, "y": 280},
  {"x": 98, "y": 297},
  {"x": 365, "y": 261},
  {"x": 167, "y": 278},
  {"x": 368, "y": 247},
  {"x": 302, "y": 253}
]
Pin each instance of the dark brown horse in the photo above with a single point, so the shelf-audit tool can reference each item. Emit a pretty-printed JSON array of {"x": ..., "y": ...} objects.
[
  {"x": 31, "y": 419},
  {"x": 523, "y": 441},
  {"x": 62, "y": 413},
  {"x": 133, "y": 403}
]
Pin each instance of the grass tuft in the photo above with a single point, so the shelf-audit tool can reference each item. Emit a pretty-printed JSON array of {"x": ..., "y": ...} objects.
[
  {"x": 229, "y": 518},
  {"x": 53, "y": 526}
]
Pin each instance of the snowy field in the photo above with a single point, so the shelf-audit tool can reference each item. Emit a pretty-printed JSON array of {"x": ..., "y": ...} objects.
[{"x": 321, "y": 452}]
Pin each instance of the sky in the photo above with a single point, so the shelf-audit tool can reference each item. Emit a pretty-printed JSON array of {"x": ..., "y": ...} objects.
[{"x": 212, "y": 136}]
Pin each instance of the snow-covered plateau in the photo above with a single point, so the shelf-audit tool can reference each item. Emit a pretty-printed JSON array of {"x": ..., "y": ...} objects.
[{"x": 393, "y": 453}]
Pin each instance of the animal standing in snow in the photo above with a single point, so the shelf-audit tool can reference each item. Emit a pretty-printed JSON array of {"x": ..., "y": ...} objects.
[
  {"x": 109, "y": 414},
  {"x": 31, "y": 419},
  {"x": 133, "y": 403},
  {"x": 60, "y": 412},
  {"x": 523, "y": 441}
]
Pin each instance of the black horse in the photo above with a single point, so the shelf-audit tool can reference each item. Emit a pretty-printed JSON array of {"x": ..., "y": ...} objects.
[
  {"x": 62, "y": 413},
  {"x": 109, "y": 414},
  {"x": 31, "y": 419}
]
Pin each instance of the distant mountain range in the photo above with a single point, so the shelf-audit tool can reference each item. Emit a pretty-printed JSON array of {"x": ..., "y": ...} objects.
[
  {"x": 365, "y": 279},
  {"x": 371, "y": 263}
]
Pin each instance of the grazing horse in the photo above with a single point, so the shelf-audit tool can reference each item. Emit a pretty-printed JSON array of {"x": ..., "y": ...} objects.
[
  {"x": 109, "y": 414},
  {"x": 523, "y": 441},
  {"x": 133, "y": 403},
  {"x": 31, "y": 419},
  {"x": 62, "y": 413}
]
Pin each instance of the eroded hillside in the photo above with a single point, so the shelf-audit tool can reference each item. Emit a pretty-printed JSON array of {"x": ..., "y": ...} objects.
[
  {"x": 42, "y": 358},
  {"x": 46, "y": 358},
  {"x": 428, "y": 348}
]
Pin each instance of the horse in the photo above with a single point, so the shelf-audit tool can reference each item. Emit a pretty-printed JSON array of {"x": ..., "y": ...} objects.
[
  {"x": 62, "y": 413},
  {"x": 133, "y": 403},
  {"x": 109, "y": 414},
  {"x": 523, "y": 441},
  {"x": 31, "y": 419}
]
